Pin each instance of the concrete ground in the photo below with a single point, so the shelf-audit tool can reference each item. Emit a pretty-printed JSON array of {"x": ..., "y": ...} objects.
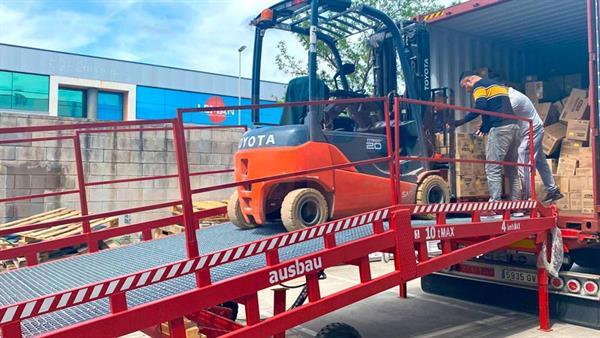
[{"x": 421, "y": 315}]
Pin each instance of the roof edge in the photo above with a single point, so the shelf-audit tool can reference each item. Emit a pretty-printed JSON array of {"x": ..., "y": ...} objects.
[
  {"x": 456, "y": 10},
  {"x": 134, "y": 62}
]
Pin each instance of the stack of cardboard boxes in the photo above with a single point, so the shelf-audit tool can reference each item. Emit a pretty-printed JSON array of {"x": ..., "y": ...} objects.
[
  {"x": 470, "y": 177},
  {"x": 563, "y": 107},
  {"x": 566, "y": 143}
]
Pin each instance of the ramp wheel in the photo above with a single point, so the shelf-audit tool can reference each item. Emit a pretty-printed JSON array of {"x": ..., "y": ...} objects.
[
  {"x": 302, "y": 208},
  {"x": 234, "y": 212},
  {"x": 338, "y": 330},
  {"x": 433, "y": 189}
]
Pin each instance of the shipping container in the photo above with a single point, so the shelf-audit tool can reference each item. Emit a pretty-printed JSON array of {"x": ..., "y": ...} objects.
[
  {"x": 517, "y": 39},
  {"x": 520, "y": 40}
]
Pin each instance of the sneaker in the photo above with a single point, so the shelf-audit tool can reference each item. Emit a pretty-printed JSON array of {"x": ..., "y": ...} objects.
[
  {"x": 553, "y": 196},
  {"x": 518, "y": 214},
  {"x": 489, "y": 214}
]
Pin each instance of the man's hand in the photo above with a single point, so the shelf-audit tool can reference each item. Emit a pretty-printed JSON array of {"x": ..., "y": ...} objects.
[{"x": 479, "y": 133}]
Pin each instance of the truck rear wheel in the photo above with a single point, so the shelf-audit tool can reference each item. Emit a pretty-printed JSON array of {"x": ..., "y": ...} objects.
[
  {"x": 433, "y": 189},
  {"x": 338, "y": 330},
  {"x": 234, "y": 212},
  {"x": 302, "y": 208}
]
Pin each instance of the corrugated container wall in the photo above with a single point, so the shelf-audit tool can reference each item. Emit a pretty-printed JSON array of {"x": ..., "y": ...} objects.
[{"x": 453, "y": 52}]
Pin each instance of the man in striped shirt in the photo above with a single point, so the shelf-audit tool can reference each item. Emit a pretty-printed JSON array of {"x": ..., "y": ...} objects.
[{"x": 503, "y": 133}]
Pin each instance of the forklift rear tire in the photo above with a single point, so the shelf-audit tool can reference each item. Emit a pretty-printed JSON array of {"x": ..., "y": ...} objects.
[
  {"x": 234, "y": 212},
  {"x": 433, "y": 189},
  {"x": 303, "y": 208}
]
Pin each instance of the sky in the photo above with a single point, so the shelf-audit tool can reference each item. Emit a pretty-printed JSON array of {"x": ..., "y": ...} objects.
[{"x": 201, "y": 35}]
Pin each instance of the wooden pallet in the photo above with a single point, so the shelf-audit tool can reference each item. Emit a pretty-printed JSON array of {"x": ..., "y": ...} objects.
[
  {"x": 191, "y": 330},
  {"x": 56, "y": 232},
  {"x": 205, "y": 205},
  {"x": 198, "y": 206}
]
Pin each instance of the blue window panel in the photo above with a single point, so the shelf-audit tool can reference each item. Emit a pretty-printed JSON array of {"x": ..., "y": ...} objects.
[
  {"x": 31, "y": 83},
  {"x": 30, "y": 101},
  {"x": 150, "y": 95},
  {"x": 72, "y": 102},
  {"x": 110, "y": 106},
  {"x": 6, "y": 81},
  {"x": 5, "y": 99}
]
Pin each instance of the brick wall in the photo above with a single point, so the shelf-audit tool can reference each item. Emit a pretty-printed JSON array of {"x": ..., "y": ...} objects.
[{"x": 40, "y": 167}]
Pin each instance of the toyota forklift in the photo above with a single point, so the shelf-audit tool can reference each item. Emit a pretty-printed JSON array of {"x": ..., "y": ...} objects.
[{"x": 338, "y": 133}]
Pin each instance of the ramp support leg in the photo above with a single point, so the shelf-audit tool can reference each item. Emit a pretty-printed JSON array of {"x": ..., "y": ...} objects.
[
  {"x": 542, "y": 275},
  {"x": 403, "y": 293},
  {"x": 177, "y": 328},
  {"x": 405, "y": 259},
  {"x": 279, "y": 307},
  {"x": 252, "y": 309},
  {"x": 11, "y": 330}
]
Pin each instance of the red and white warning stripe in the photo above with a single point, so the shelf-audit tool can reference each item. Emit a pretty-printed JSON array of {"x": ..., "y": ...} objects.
[
  {"x": 106, "y": 288},
  {"x": 473, "y": 206}
]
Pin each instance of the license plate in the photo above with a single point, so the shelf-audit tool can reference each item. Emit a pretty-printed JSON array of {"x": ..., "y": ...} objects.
[{"x": 519, "y": 276}]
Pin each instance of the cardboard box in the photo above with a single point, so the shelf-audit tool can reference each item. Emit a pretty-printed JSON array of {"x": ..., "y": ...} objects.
[
  {"x": 479, "y": 171},
  {"x": 548, "y": 112},
  {"x": 553, "y": 136},
  {"x": 575, "y": 201},
  {"x": 464, "y": 169},
  {"x": 587, "y": 172},
  {"x": 481, "y": 186},
  {"x": 443, "y": 150},
  {"x": 553, "y": 164},
  {"x": 570, "y": 148},
  {"x": 587, "y": 202},
  {"x": 566, "y": 166},
  {"x": 578, "y": 184},
  {"x": 562, "y": 183},
  {"x": 576, "y": 107},
  {"x": 585, "y": 157},
  {"x": 465, "y": 186},
  {"x": 543, "y": 91},
  {"x": 539, "y": 187},
  {"x": 564, "y": 203},
  {"x": 578, "y": 130}
]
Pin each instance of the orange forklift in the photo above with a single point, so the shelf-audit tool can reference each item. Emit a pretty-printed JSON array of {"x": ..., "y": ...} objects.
[{"x": 332, "y": 134}]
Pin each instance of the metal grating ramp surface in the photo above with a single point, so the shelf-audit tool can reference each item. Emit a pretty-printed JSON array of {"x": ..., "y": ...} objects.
[{"x": 28, "y": 283}]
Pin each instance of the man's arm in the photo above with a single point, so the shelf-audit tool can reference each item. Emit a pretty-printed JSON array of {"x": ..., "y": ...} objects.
[
  {"x": 480, "y": 99},
  {"x": 468, "y": 118}
]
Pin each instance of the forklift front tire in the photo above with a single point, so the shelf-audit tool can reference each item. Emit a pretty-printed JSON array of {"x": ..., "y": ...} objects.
[
  {"x": 433, "y": 189},
  {"x": 303, "y": 208},
  {"x": 234, "y": 212}
]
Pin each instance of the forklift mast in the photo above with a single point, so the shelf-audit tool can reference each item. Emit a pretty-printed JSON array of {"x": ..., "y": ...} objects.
[{"x": 396, "y": 47}]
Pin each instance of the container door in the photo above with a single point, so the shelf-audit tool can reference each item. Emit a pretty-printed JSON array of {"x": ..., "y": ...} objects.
[{"x": 596, "y": 18}]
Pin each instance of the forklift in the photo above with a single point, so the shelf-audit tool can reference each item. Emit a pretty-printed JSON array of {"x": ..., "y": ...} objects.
[{"x": 339, "y": 133}]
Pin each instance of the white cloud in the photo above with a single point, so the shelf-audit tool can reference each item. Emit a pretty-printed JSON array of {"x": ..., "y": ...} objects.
[
  {"x": 201, "y": 35},
  {"x": 58, "y": 29}
]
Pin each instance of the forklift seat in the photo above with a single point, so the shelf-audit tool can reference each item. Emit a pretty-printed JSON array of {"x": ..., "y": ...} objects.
[{"x": 297, "y": 91}]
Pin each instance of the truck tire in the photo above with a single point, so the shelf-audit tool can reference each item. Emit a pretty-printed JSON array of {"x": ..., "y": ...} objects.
[
  {"x": 234, "y": 212},
  {"x": 433, "y": 189},
  {"x": 338, "y": 330},
  {"x": 302, "y": 208}
]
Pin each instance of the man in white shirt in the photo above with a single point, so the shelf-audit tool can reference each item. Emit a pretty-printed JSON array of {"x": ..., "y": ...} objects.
[{"x": 522, "y": 106}]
